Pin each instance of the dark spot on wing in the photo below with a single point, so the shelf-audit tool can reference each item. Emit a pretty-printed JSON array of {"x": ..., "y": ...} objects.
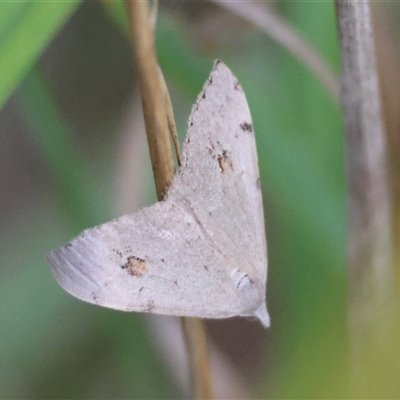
[
  {"x": 225, "y": 163},
  {"x": 206, "y": 267},
  {"x": 95, "y": 297},
  {"x": 195, "y": 107},
  {"x": 246, "y": 127},
  {"x": 245, "y": 283},
  {"x": 150, "y": 306},
  {"x": 258, "y": 183},
  {"x": 236, "y": 86},
  {"x": 117, "y": 252},
  {"x": 135, "y": 266},
  {"x": 241, "y": 280}
]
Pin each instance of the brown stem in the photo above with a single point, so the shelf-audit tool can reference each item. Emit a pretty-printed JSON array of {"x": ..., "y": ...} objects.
[
  {"x": 155, "y": 115},
  {"x": 372, "y": 299},
  {"x": 160, "y": 128},
  {"x": 196, "y": 342}
]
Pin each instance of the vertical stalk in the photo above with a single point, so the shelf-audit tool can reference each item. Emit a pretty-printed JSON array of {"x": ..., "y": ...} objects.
[
  {"x": 151, "y": 90},
  {"x": 196, "y": 343},
  {"x": 160, "y": 129},
  {"x": 371, "y": 295}
]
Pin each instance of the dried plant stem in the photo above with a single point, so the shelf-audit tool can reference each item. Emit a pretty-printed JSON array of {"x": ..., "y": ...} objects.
[
  {"x": 153, "y": 101},
  {"x": 266, "y": 19},
  {"x": 160, "y": 128},
  {"x": 196, "y": 340},
  {"x": 372, "y": 298}
]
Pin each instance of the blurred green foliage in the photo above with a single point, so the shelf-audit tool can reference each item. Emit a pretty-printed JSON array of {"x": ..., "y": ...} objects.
[
  {"x": 300, "y": 146},
  {"x": 26, "y": 27}
]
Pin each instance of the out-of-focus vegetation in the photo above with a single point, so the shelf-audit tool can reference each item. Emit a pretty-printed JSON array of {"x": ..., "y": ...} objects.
[{"x": 60, "y": 135}]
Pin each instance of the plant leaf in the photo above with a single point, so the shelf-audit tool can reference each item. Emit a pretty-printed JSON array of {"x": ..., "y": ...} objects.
[{"x": 25, "y": 30}]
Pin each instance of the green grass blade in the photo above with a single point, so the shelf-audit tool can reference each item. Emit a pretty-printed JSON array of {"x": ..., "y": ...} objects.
[
  {"x": 54, "y": 139},
  {"x": 25, "y": 29}
]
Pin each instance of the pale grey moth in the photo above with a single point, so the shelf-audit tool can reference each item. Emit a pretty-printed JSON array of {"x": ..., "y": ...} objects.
[{"x": 201, "y": 252}]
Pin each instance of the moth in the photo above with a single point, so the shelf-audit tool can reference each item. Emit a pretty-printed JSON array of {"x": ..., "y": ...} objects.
[{"x": 201, "y": 252}]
